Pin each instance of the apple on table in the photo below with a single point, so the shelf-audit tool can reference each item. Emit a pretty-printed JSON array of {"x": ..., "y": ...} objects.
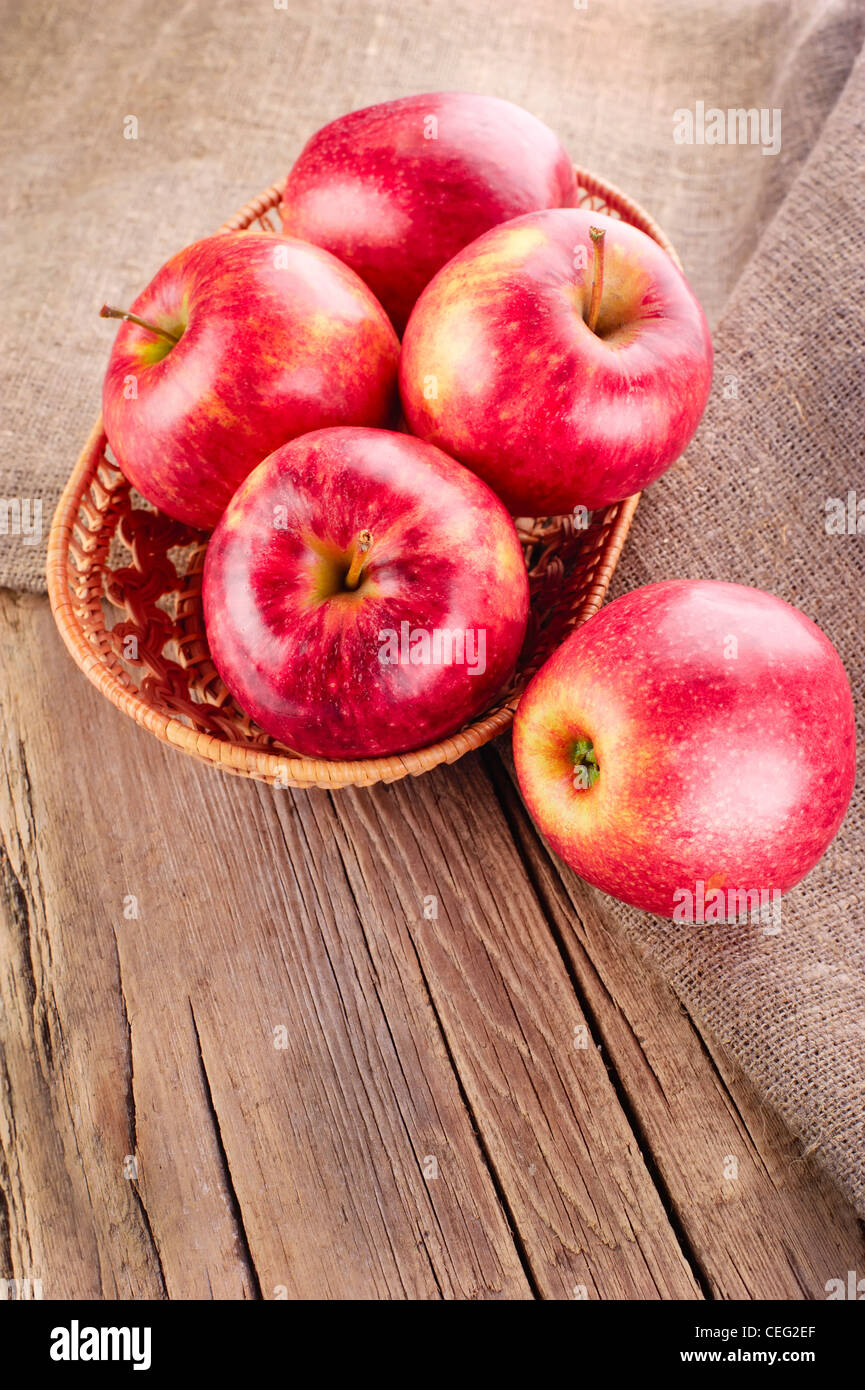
[{"x": 690, "y": 733}]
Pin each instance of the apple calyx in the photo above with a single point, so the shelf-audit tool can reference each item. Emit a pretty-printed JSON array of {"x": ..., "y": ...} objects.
[
  {"x": 358, "y": 559},
  {"x": 586, "y": 770},
  {"x": 109, "y": 312},
  {"x": 597, "y": 234}
]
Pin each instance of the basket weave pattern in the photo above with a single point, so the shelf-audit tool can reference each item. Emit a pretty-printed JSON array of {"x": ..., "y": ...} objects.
[{"x": 125, "y": 587}]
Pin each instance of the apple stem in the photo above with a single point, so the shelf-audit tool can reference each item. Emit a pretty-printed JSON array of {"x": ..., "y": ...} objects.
[
  {"x": 586, "y": 770},
  {"x": 107, "y": 312},
  {"x": 597, "y": 234},
  {"x": 358, "y": 559}
]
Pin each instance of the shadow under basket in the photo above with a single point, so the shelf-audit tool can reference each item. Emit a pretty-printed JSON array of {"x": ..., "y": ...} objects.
[{"x": 125, "y": 588}]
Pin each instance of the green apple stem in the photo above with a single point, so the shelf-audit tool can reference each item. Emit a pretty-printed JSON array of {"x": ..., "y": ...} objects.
[
  {"x": 107, "y": 312},
  {"x": 358, "y": 559},
  {"x": 597, "y": 234},
  {"x": 586, "y": 770}
]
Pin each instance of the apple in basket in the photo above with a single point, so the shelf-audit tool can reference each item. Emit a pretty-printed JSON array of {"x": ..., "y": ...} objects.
[
  {"x": 561, "y": 356},
  {"x": 364, "y": 594},
  {"x": 397, "y": 189},
  {"x": 240, "y": 343},
  {"x": 690, "y": 749}
]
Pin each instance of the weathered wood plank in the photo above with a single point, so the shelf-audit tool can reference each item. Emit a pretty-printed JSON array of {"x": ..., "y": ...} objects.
[
  {"x": 761, "y": 1220},
  {"x": 308, "y": 1156},
  {"x": 353, "y": 1155},
  {"x": 81, "y": 1219},
  {"x": 589, "y": 1217}
]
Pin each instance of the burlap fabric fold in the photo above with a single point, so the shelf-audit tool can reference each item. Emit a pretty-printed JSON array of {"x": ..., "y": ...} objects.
[
  {"x": 133, "y": 129},
  {"x": 770, "y": 494}
]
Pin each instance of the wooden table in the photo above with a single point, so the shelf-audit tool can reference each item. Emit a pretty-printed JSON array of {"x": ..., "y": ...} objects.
[{"x": 376, "y": 1044}]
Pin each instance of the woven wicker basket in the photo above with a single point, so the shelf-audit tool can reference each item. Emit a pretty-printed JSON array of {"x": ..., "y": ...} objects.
[{"x": 125, "y": 589}]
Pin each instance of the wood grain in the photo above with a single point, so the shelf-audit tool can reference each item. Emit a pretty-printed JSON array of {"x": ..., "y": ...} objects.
[
  {"x": 341, "y": 1039},
  {"x": 760, "y": 1220},
  {"x": 566, "y": 1159},
  {"x": 308, "y": 1155}
]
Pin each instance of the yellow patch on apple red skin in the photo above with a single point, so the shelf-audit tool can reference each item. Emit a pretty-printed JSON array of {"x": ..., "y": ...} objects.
[
  {"x": 271, "y": 350},
  {"x": 706, "y": 765}
]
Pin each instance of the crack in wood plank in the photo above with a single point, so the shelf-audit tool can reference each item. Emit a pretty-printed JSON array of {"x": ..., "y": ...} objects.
[
  {"x": 375, "y": 978},
  {"x": 243, "y": 1238},
  {"x": 132, "y": 1179},
  {"x": 7, "y": 1270},
  {"x": 519, "y": 1244}
]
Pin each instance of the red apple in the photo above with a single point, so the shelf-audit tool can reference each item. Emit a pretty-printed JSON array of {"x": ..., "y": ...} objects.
[
  {"x": 395, "y": 190},
  {"x": 364, "y": 594},
  {"x": 268, "y": 339},
  {"x": 503, "y": 367},
  {"x": 691, "y": 733}
]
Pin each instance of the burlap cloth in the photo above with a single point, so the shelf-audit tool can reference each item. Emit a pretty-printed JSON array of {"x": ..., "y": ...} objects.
[{"x": 224, "y": 96}]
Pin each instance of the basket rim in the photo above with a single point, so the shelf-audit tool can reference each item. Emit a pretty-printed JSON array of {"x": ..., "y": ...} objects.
[{"x": 287, "y": 769}]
